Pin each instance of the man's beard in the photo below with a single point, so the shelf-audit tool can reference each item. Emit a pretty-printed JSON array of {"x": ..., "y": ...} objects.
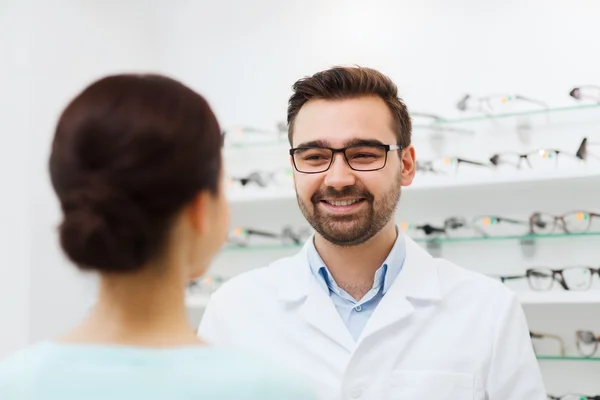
[{"x": 351, "y": 230}]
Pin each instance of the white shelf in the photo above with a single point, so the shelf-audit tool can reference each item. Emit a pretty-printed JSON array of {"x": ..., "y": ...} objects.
[
  {"x": 560, "y": 297},
  {"x": 426, "y": 183}
]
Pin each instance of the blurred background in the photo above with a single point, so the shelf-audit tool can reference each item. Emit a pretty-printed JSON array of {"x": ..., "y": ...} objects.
[{"x": 243, "y": 56}]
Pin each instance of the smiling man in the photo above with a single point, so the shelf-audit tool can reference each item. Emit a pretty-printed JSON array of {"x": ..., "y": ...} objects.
[{"x": 362, "y": 311}]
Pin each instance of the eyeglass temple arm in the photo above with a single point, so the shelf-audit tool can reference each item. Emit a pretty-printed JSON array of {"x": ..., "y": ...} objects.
[
  {"x": 512, "y": 221},
  {"x": 504, "y": 278},
  {"x": 538, "y": 102},
  {"x": 535, "y": 335},
  {"x": 263, "y": 233},
  {"x": 459, "y": 160}
]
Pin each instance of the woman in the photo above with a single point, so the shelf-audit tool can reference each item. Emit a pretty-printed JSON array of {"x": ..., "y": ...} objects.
[{"x": 136, "y": 164}]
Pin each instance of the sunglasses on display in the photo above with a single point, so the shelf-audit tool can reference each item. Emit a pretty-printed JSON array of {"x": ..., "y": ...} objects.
[
  {"x": 288, "y": 235},
  {"x": 587, "y": 343},
  {"x": 489, "y": 104},
  {"x": 538, "y": 336},
  {"x": 577, "y": 278},
  {"x": 573, "y": 396},
  {"x": 314, "y": 159},
  {"x": 591, "y": 92}
]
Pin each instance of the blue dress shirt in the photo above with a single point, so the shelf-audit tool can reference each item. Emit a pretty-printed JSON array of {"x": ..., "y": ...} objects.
[{"x": 356, "y": 314}]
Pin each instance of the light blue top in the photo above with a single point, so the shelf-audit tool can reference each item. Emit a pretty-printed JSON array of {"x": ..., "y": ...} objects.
[
  {"x": 356, "y": 313},
  {"x": 53, "y": 371}
]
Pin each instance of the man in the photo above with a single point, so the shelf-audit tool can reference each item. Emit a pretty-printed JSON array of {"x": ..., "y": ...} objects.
[{"x": 361, "y": 310}]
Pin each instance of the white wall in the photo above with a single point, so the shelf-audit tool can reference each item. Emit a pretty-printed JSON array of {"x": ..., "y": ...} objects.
[
  {"x": 245, "y": 55},
  {"x": 15, "y": 100}
]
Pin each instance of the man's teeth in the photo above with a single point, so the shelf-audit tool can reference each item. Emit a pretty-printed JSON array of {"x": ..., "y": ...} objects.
[{"x": 342, "y": 203}]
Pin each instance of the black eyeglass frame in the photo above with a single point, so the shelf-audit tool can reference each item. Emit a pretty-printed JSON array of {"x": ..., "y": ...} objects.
[
  {"x": 386, "y": 147},
  {"x": 556, "y": 275}
]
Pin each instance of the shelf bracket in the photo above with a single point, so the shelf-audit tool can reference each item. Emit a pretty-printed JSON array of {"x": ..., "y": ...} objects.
[{"x": 528, "y": 247}]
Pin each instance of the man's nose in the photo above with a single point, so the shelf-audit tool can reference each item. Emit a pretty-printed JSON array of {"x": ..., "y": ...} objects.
[{"x": 339, "y": 174}]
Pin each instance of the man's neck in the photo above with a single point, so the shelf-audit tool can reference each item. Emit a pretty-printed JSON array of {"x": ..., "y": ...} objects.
[{"x": 353, "y": 268}]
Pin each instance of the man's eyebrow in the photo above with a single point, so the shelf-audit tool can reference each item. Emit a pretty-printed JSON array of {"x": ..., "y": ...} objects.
[
  {"x": 363, "y": 142},
  {"x": 313, "y": 143},
  {"x": 348, "y": 143}
]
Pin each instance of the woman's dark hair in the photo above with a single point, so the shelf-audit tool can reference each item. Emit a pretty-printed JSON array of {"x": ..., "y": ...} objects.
[{"x": 128, "y": 153}]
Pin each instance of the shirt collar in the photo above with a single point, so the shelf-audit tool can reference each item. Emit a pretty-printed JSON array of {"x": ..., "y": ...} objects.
[{"x": 384, "y": 276}]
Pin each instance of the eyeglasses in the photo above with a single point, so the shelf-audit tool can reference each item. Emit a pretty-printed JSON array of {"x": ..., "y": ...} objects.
[
  {"x": 265, "y": 178},
  {"x": 578, "y": 278},
  {"x": 586, "y": 92},
  {"x": 587, "y": 343},
  {"x": 452, "y": 227},
  {"x": 534, "y": 159},
  {"x": 486, "y": 104},
  {"x": 447, "y": 165},
  {"x": 242, "y": 236},
  {"x": 573, "y": 222},
  {"x": 314, "y": 160},
  {"x": 573, "y": 396},
  {"x": 537, "y": 335}
]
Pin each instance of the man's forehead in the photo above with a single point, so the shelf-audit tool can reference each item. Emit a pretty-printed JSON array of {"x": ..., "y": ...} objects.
[{"x": 338, "y": 122}]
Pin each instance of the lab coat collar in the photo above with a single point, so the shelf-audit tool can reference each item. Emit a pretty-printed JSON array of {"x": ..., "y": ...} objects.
[{"x": 417, "y": 280}]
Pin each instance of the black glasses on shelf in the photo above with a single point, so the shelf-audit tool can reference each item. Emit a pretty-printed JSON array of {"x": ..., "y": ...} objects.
[
  {"x": 577, "y": 278},
  {"x": 573, "y": 396},
  {"x": 241, "y": 236},
  {"x": 572, "y": 222},
  {"x": 538, "y": 335},
  {"x": 314, "y": 159},
  {"x": 452, "y": 227},
  {"x": 587, "y": 343},
  {"x": 534, "y": 159},
  {"x": 489, "y": 104},
  {"x": 591, "y": 92}
]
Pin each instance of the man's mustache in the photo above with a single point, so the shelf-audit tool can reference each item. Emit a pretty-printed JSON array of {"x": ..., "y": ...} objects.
[{"x": 348, "y": 191}]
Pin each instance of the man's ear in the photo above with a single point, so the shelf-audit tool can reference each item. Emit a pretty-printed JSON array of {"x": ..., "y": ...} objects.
[
  {"x": 409, "y": 165},
  {"x": 197, "y": 212}
]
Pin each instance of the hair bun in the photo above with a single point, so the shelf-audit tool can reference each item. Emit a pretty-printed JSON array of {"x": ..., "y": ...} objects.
[{"x": 104, "y": 230}]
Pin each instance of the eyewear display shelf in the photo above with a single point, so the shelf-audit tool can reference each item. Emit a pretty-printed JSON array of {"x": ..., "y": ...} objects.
[{"x": 532, "y": 117}]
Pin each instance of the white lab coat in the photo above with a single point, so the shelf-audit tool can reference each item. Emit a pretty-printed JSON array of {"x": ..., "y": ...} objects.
[{"x": 440, "y": 332}]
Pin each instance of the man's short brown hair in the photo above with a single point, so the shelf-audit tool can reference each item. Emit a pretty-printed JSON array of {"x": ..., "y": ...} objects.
[{"x": 340, "y": 83}]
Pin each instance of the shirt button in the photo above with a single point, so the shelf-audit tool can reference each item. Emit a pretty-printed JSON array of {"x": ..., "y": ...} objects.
[{"x": 358, "y": 308}]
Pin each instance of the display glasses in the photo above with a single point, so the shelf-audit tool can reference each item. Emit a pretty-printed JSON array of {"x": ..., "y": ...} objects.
[
  {"x": 494, "y": 225},
  {"x": 448, "y": 165},
  {"x": 491, "y": 103},
  {"x": 572, "y": 222},
  {"x": 537, "y": 159},
  {"x": 452, "y": 227},
  {"x": 587, "y": 343},
  {"x": 278, "y": 177},
  {"x": 574, "y": 396},
  {"x": 577, "y": 278},
  {"x": 538, "y": 335},
  {"x": 590, "y": 92},
  {"x": 241, "y": 236},
  {"x": 315, "y": 159}
]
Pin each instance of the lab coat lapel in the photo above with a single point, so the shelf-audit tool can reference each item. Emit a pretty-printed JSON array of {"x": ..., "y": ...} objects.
[
  {"x": 320, "y": 312},
  {"x": 417, "y": 280},
  {"x": 297, "y": 285}
]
